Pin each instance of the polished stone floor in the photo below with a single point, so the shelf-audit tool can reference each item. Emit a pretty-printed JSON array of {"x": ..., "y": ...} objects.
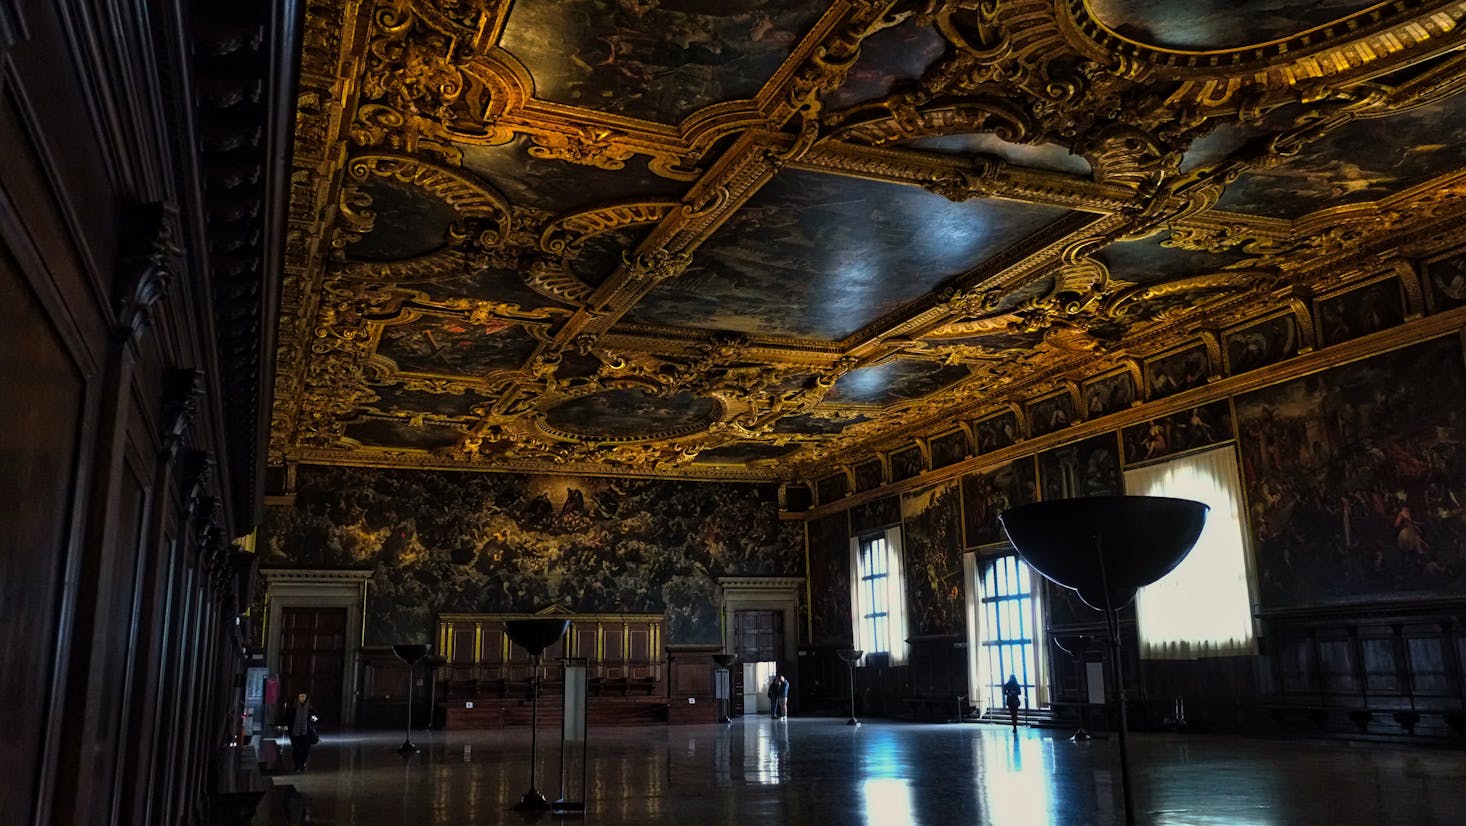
[{"x": 818, "y": 770}]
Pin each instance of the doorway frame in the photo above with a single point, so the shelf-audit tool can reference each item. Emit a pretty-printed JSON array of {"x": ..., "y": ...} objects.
[
  {"x": 320, "y": 588},
  {"x": 761, "y": 593}
]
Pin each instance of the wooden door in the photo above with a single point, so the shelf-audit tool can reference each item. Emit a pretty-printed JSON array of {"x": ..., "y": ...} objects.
[
  {"x": 758, "y": 637},
  {"x": 313, "y": 658}
]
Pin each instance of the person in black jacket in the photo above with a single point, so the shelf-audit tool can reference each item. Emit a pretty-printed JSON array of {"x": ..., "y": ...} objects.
[
  {"x": 1013, "y": 698},
  {"x": 301, "y": 718}
]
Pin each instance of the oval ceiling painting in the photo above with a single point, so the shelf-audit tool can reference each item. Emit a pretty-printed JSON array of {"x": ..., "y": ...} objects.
[
  {"x": 1206, "y": 25},
  {"x": 631, "y": 415}
]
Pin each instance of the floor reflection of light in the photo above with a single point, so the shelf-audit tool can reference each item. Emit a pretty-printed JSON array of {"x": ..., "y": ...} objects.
[
  {"x": 887, "y": 801},
  {"x": 1016, "y": 771},
  {"x": 766, "y": 756}
]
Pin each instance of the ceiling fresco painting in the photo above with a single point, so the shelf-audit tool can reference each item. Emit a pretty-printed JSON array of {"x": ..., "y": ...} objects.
[
  {"x": 903, "y": 379},
  {"x": 533, "y": 179},
  {"x": 1047, "y": 156},
  {"x": 1365, "y": 160},
  {"x": 888, "y": 58},
  {"x": 1218, "y": 24},
  {"x": 399, "y": 435},
  {"x": 762, "y": 241},
  {"x": 820, "y": 256},
  {"x": 437, "y": 345},
  {"x": 398, "y": 398},
  {"x": 658, "y": 61}
]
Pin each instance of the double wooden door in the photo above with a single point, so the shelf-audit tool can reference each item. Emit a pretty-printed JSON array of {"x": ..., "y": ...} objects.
[
  {"x": 758, "y": 637},
  {"x": 313, "y": 658}
]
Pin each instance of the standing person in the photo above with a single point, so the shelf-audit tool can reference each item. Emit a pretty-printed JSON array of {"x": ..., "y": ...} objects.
[
  {"x": 1013, "y": 698},
  {"x": 300, "y": 716},
  {"x": 781, "y": 698},
  {"x": 773, "y": 693}
]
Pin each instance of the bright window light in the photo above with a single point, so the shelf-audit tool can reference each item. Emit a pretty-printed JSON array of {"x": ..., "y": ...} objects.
[
  {"x": 877, "y": 597},
  {"x": 1204, "y": 607}
]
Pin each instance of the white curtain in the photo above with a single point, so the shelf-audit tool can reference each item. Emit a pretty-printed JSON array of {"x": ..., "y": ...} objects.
[
  {"x": 1204, "y": 607},
  {"x": 896, "y": 596},
  {"x": 977, "y": 661}
]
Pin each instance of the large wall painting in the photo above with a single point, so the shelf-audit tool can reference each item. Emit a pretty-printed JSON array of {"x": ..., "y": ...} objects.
[
  {"x": 444, "y": 541},
  {"x": 931, "y": 519},
  {"x": 985, "y": 496},
  {"x": 1199, "y": 427},
  {"x": 829, "y": 580},
  {"x": 1354, "y": 479},
  {"x": 1087, "y": 468}
]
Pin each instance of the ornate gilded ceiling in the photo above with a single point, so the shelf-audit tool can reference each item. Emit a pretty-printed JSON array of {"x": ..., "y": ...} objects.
[{"x": 761, "y": 240}]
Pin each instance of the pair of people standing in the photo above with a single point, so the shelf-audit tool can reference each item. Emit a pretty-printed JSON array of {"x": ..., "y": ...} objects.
[{"x": 779, "y": 697}]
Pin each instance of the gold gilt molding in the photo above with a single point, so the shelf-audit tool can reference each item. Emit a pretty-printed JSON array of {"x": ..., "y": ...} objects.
[{"x": 395, "y": 92}]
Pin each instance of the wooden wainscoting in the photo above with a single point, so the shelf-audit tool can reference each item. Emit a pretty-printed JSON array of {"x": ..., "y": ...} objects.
[{"x": 485, "y": 683}]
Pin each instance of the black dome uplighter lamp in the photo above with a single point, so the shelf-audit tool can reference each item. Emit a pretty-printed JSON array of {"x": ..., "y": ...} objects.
[
  {"x": 534, "y": 636},
  {"x": 1107, "y": 548}
]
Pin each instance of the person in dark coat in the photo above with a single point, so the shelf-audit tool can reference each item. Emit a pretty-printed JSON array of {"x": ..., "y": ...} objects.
[
  {"x": 1013, "y": 698},
  {"x": 300, "y": 717}
]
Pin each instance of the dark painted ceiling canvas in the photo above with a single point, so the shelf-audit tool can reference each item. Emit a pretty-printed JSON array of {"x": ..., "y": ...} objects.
[{"x": 772, "y": 240}]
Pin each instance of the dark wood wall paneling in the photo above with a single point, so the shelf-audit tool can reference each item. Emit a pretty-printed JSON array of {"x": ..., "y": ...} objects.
[{"x": 118, "y": 579}]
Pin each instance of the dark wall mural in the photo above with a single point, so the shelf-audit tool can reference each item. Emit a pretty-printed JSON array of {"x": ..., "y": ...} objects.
[
  {"x": 1108, "y": 394},
  {"x": 949, "y": 449},
  {"x": 1360, "y": 312},
  {"x": 829, "y": 580},
  {"x": 1258, "y": 345},
  {"x": 1354, "y": 479},
  {"x": 887, "y": 58},
  {"x": 874, "y": 515},
  {"x": 1201, "y": 426},
  {"x": 444, "y": 541},
  {"x": 1447, "y": 280},
  {"x": 1050, "y": 414},
  {"x": 997, "y": 432},
  {"x": 1174, "y": 372},
  {"x": 933, "y": 560},
  {"x": 986, "y": 495},
  {"x": 906, "y": 463},
  {"x": 1087, "y": 468}
]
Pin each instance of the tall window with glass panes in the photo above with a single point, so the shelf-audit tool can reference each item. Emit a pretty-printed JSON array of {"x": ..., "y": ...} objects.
[
  {"x": 875, "y": 610},
  {"x": 1008, "y": 626}
]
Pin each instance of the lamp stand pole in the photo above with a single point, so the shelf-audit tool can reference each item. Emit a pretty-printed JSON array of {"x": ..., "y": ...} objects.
[
  {"x": 1112, "y": 620},
  {"x": 534, "y": 798},
  {"x": 408, "y": 748},
  {"x": 852, "y": 721}
]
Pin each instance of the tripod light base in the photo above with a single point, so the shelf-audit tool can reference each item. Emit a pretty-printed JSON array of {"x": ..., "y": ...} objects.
[
  {"x": 407, "y": 748},
  {"x": 533, "y": 800},
  {"x": 1079, "y": 735},
  {"x": 852, "y": 722}
]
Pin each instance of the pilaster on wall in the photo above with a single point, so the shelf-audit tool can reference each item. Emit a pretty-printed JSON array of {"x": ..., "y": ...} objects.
[{"x": 319, "y": 588}]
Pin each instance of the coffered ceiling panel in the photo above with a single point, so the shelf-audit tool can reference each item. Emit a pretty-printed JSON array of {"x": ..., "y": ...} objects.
[{"x": 753, "y": 240}]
